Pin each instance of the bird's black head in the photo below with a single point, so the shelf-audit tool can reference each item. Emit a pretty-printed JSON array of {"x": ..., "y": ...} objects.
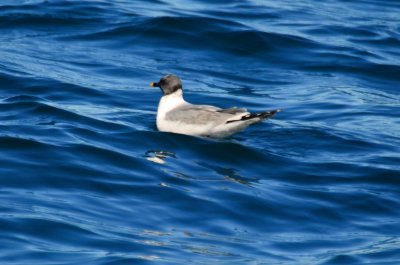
[{"x": 168, "y": 84}]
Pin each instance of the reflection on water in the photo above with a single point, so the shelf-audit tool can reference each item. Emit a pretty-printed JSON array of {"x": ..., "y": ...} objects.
[
  {"x": 158, "y": 156},
  {"x": 229, "y": 174}
]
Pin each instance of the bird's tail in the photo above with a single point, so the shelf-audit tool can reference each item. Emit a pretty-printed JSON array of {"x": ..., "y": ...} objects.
[{"x": 261, "y": 115}]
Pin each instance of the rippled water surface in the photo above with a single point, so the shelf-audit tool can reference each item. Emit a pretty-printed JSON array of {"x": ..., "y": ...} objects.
[{"x": 86, "y": 178}]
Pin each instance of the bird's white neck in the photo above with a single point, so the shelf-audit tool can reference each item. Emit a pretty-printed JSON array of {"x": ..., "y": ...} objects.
[{"x": 171, "y": 101}]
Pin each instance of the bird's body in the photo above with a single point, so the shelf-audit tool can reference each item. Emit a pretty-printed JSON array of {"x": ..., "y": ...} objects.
[{"x": 176, "y": 115}]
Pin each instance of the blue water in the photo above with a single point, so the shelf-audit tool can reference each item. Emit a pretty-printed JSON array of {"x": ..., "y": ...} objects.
[{"x": 86, "y": 178}]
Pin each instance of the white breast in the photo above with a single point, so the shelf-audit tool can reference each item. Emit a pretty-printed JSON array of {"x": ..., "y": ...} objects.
[{"x": 167, "y": 103}]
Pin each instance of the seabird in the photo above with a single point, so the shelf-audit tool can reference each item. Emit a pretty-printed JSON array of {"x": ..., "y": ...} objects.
[{"x": 176, "y": 115}]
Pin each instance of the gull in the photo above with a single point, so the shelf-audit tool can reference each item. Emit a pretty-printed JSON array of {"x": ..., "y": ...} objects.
[{"x": 176, "y": 115}]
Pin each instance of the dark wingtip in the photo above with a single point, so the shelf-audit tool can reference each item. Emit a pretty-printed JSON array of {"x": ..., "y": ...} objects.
[
  {"x": 273, "y": 112},
  {"x": 261, "y": 115},
  {"x": 268, "y": 114}
]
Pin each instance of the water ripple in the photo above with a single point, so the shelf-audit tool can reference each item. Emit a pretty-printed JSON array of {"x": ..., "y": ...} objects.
[{"x": 87, "y": 178}]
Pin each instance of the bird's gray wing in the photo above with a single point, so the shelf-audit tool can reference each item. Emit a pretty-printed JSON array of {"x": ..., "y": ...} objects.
[
  {"x": 233, "y": 110},
  {"x": 201, "y": 114}
]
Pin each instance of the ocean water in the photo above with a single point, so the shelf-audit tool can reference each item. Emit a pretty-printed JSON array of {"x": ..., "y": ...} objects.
[{"x": 86, "y": 178}]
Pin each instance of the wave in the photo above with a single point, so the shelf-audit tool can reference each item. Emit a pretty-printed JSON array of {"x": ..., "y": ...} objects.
[
  {"x": 367, "y": 70},
  {"x": 353, "y": 31},
  {"x": 38, "y": 111},
  {"x": 53, "y": 13},
  {"x": 86, "y": 176},
  {"x": 200, "y": 34}
]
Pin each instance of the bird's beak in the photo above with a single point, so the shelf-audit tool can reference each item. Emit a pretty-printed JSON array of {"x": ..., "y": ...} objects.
[{"x": 153, "y": 84}]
